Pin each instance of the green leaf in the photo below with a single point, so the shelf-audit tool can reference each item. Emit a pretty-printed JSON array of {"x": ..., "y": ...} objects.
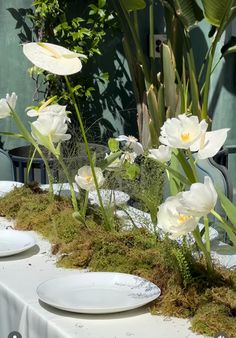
[
  {"x": 228, "y": 206},
  {"x": 169, "y": 79},
  {"x": 132, "y": 171},
  {"x": 185, "y": 165},
  {"x": 2, "y": 133},
  {"x": 229, "y": 50},
  {"x": 101, "y": 3},
  {"x": 226, "y": 250},
  {"x": 215, "y": 10},
  {"x": 113, "y": 145},
  {"x": 188, "y": 11},
  {"x": 133, "y": 5},
  {"x": 45, "y": 141},
  {"x": 78, "y": 217}
]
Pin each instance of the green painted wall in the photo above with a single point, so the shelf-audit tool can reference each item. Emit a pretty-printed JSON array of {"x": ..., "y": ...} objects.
[{"x": 13, "y": 70}]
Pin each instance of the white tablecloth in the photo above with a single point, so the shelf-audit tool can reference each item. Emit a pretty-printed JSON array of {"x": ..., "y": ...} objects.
[{"x": 20, "y": 309}]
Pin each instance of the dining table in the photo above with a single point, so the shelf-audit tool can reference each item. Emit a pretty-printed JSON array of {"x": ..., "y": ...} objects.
[{"x": 23, "y": 315}]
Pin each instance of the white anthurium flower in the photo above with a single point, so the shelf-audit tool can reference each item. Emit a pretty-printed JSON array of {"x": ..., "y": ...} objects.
[
  {"x": 162, "y": 154},
  {"x": 173, "y": 221},
  {"x": 182, "y": 132},
  {"x": 209, "y": 143},
  {"x": 53, "y": 58},
  {"x": 132, "y": 143},
  {"x": 51, "y": 126},
  {"x": 53, "y": 109},
  {"x": 84, "y": 178},
  {"x": 5, "y": 110},
  {"x": 200, "y": 199}
]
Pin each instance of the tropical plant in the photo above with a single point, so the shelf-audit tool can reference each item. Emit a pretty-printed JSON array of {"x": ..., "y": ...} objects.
[
  {"x": 57, "y": 22},
  {"x": 178, "y": 88}
]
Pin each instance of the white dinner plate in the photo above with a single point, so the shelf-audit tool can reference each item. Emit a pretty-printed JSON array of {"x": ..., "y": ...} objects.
[
  {"x": 109, "y": 197},
  {"x": 97, "y": 292},
  {"x": 13, "y": 242},
  {"x": 62, "y": 189},
  {"x": 7, "y": 186}
]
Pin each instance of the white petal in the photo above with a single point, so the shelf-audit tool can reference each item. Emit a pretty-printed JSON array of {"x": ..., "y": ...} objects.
[
  {"x": 45, "y": 59},
  {"x": 32, "y": 113},
  {"x": 137, "y": 148},
  {"x": 214, "y": 140},
  {"x": 122, "y": 138}
]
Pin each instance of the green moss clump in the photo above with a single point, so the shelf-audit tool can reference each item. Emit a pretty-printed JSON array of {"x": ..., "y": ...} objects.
[
  {"x": 188, "y": 291},
  {"x": 213, "y": 317}
]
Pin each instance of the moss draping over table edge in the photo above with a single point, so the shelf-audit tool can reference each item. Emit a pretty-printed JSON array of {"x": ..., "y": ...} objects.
[{"x": 187, "y": 290}]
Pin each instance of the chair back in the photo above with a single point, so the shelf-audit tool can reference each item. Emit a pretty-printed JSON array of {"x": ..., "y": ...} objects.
[{"x": 6, "y": 167}]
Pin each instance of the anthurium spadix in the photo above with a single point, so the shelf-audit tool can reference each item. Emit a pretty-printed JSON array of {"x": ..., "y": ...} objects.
[
  {"x": 209, "y": 143},
  {"x": 6, "y": 104},
  {"x": 131, "y": 143},
  {"x": 173, "y": 221},
  {"x": 200, "y": 200},
  {"x": 53, "y": 58},
  {"x": 182, "y": 132}
]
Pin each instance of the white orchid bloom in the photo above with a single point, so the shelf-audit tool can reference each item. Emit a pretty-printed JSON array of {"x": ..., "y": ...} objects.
[
  {"x": 84, "y": 178},
  {"x": 51, "y": 126},
  {"x": 209, "y": 143},
  {"x": 200, "y": 199},
  {"x": 128, "y": 156},
  {"x": 172, "y": 221},
  {"x": 53, "y": 109},
  {"x": 53, "y": 58},
  {"x": 132, "y": 143},
  {"x": 162, "y": 154},
  {"x": 5, "y": 110},
  {"x": 182, "y": 132}
]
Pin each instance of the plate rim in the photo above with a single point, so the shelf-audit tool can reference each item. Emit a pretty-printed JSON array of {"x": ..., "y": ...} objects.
[
  {"x": 15, "y": 252},
  {"x": 97, "y": 310}
]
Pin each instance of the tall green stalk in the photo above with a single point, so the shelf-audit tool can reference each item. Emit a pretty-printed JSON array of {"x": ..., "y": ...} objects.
[
  {"x": 207, "y": 255},
  {"x": 72, "y": 190},
  {"x": 31, "y": 140},
  {"x": 106, "y": 221}
]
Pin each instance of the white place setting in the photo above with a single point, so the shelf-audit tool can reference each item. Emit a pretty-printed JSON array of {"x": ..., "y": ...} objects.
[{"x": 39, "y": 299}]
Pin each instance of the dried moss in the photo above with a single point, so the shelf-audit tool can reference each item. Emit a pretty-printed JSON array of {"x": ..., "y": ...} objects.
[{"x": 209, "y": 300}]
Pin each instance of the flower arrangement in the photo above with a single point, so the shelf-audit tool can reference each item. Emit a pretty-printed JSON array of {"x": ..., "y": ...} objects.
[{"x": 184, "y": 141}]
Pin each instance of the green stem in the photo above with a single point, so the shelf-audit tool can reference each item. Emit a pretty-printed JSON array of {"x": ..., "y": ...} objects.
[
  {"x": 192, "y": 163},
  {"x": 29, "y": 163},
  {"x": 225, "y": 226},
  {"x": 30, "y": 139},
  {"x": 207, "y": 235},
  {"x": 106, "y": 222},
  {"x": 198, "y": 239},
  {"x": 85, "y": 203},
  {"x": 72, "y": 190}
]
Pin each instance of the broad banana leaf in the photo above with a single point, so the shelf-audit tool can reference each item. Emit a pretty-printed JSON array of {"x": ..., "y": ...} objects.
[
  {"x": 216, "y": 10},
  {"x": 187, "y": 10},
  {"x": 133, "y": 5}
]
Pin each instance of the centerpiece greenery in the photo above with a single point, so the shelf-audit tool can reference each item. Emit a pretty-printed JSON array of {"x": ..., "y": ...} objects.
[{"x": 174, "y": 252}]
